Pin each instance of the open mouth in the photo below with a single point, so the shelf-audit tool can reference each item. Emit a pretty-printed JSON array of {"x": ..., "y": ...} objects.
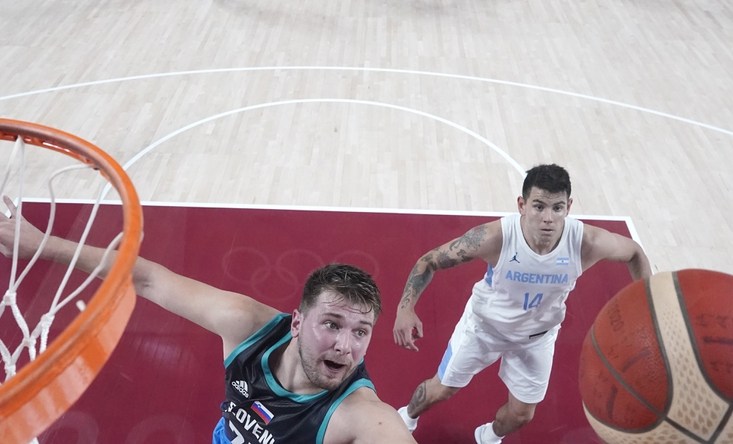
[{"x": 332, "y": 365}]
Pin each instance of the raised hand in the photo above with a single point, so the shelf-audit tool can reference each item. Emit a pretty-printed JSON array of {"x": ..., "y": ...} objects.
[
  {"x": 30, "y": 236},
  {"x": 407, "y": 328}
]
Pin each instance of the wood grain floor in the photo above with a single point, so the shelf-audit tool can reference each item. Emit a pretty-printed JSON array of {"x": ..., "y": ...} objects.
[
  {"x": 412, "y": 105},
  {"x": 418, "y": 104}
]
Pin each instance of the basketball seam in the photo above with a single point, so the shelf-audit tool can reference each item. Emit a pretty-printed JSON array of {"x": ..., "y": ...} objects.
[
  {"x": 667, "y": 365},
  {"x": 617, "y": 376},
  {"x": 721, "y": 426},
  {"x": 693, "y": 342},
  {"x": 662, "y": 348},
  {"x": 661, "y": 415},
  {"x": 703, "y": 371}
]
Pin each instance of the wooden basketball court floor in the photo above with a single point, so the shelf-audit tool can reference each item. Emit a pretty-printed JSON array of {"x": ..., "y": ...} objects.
[{"x": 394, "y": 125}]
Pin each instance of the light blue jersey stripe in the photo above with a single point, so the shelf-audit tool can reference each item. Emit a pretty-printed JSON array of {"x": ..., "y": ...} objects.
[
  {"x": 219, "y": 436},
  {"x": 444, "y": 362},
  {"x": 489, "y": 276}
]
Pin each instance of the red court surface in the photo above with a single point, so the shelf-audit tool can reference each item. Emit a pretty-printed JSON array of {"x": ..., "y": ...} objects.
[{"x": 164, "y": 382}]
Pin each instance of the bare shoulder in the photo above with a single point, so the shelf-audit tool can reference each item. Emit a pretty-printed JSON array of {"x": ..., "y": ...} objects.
[
  {"x": 486, "y": 232},
  {"x": 489, "y": 239},
  {"x": 240, "y": 317},
  {"x": 363, "y": 418},
  {"x": 599, "y": 244},
  {"x": 482, "y": 241}
]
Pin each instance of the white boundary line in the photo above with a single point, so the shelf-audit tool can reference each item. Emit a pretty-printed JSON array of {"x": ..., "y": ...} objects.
[
  {"x": 517, "y": 167},
  {"x": 365, "y": 69},
  {"x": 625, "y": 219}
]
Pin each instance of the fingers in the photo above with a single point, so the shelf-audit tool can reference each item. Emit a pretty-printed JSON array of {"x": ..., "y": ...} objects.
[
  {"x": 405, "y": 337},
  {"x": 417, "y": 331},
  {"x": 406, "y": 342},
  {"x": 11, "y": 206},
  {"x": 8, "y": 226},
  {"x": 399, "y": 337},
  {"x": 411, "y": 346}
]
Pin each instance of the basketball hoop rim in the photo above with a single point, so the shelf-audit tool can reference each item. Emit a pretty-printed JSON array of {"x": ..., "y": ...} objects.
[{"x": 43, "y": 389}]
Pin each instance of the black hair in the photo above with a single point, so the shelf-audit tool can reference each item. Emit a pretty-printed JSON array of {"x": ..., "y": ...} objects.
[{"x": 551, "y": 178}]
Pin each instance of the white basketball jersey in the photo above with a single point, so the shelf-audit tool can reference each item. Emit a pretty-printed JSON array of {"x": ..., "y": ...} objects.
[{"x": 523, "y": 295}]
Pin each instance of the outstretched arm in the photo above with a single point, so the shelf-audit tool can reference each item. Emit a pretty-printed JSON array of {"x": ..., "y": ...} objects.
[
  {"x": 483, "y": 241},
  {"x": 599, "y": 244},
  {"x": 232, "y": 316}
]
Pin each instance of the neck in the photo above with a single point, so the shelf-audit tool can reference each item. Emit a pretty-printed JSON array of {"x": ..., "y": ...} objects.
[
  {"x": 539, "y": 244},
  {"x": 542, "y": 248},
  {"x": 288, "y": 370}
]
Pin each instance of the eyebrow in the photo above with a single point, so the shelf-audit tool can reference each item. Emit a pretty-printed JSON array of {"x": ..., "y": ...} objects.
[
  {"x": 560, "y": 202},
  {"x": 341, "y": 317}
]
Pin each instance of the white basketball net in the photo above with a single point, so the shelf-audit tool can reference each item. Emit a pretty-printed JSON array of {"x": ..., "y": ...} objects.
[{"x": 35, "y": 338}]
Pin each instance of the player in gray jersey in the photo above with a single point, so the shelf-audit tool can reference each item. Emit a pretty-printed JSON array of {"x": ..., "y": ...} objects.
[{"x": 514, "y": 312}]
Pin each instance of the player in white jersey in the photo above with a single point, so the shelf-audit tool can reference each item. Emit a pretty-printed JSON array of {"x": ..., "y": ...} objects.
[{"x": 514, "y": 312}]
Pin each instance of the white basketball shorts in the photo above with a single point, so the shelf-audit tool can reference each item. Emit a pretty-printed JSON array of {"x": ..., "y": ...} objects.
[{"x": 525, "y": 368}]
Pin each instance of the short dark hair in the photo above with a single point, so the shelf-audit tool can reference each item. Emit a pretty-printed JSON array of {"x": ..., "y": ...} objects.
[
  {"x": 355, "y": 285},
  {"x": 552, "y": 178}
]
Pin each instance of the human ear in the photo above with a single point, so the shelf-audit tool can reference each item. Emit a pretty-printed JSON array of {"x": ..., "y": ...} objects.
[
  {"x": 520, "y": 204},
  {"x": 295, "y": 323}
]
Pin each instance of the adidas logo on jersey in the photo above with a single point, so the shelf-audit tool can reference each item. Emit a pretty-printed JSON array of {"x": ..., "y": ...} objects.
[{"x": 241, "y": 387}]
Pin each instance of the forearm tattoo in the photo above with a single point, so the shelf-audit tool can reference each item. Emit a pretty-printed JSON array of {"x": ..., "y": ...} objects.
[
  {"x": 419, "y": 278},
  {"x": 418, "y": 398},
  {"x": 459, "y": 251}
]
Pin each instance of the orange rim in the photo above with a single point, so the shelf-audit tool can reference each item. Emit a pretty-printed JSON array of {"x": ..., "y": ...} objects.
[{"x": 44, "y": 389}]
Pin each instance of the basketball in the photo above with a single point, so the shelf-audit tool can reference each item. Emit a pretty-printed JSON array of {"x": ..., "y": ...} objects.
[{"x": 657, "y": 364}]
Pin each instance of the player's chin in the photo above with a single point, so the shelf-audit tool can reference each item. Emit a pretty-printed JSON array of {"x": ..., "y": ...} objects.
[
  {"x": 333, "y": 375},
  {"x": 330, "y": 383}
]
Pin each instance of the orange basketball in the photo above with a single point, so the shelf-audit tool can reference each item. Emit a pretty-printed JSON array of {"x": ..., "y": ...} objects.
[{"x": 657, "y": 364}]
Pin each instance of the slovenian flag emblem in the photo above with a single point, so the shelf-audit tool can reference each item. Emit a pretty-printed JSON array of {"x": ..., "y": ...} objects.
[
  {"x": 262, "y": 412},
  {"x": 562, "y": 261}
]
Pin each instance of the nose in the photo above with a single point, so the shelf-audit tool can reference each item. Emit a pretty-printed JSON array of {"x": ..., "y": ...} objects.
[
  {"x": 343, "y": 342},
  {"x": 547, "y": 215}
]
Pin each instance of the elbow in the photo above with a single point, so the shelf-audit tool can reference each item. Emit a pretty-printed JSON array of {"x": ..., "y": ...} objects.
[{"x": 639, "y": 266}]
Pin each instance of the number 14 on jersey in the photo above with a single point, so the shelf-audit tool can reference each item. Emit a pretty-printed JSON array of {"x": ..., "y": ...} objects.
[{"x": 533, "y": 302}]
